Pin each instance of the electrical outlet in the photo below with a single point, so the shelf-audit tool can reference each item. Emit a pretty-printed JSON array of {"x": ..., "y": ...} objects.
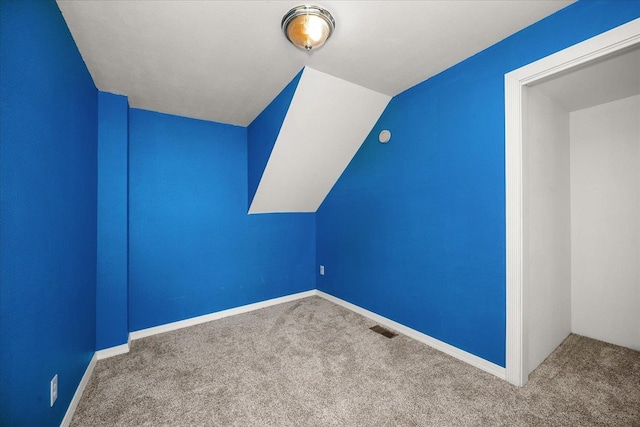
[
  {"x": 54, "y": 389},
  {"x": 322, "y": 270}
]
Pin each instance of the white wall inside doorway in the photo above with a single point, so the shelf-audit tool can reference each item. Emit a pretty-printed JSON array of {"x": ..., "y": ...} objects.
[
  {"x": 548, "y": 235},
  {"x": 582, "y": 217},
  {"x": 605, "y": 222}
]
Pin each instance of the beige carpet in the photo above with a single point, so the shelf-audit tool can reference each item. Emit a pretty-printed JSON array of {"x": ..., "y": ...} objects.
[{"x": 313, "y": 363}]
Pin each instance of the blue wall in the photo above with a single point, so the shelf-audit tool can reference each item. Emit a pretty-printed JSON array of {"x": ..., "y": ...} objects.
[
  {"x": 414, "y": 230},
  {"x": 112, "y": 327},
  {"x": 48, "y": 133},
  {"x": 263, "y": 133},
  {"x": 192, "y": 247}
]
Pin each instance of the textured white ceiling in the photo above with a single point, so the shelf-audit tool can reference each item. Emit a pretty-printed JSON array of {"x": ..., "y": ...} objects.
[{"x": 226, "y": 60}]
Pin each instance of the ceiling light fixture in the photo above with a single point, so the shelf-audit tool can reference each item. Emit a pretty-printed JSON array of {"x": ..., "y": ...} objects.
[{"x": 308, "y": 27}]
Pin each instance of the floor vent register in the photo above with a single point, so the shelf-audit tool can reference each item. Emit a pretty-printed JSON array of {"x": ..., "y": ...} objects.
[{"x": 383, "y": 331}]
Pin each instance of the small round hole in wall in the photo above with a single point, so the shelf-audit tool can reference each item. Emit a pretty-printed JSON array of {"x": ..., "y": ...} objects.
[{"x": 384, "y": 136}]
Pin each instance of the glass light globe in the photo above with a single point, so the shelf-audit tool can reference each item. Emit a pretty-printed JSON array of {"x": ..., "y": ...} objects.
[{"x": 308, "y": 27}]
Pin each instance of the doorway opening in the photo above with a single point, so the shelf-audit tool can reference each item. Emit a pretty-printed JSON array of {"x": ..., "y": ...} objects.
[{"x": 538, "y": 202}]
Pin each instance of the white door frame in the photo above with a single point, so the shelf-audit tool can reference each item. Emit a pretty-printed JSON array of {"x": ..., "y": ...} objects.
[{"x": 516, "y": 83}]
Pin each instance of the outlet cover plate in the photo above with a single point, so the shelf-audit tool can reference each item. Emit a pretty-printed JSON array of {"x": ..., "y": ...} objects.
[{"x": 54, "y": 389}]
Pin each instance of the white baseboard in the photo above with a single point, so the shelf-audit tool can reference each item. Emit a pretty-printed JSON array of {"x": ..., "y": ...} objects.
[
  {"x": 114, "y": 351},
  {"x": 66, "y": 421},
  {"x": 462, "y": 355},
  {"x": 217, "y": 315}
]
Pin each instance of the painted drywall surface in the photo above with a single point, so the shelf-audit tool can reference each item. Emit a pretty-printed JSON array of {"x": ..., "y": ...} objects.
[
  {"x": 548, "y": 219},
  {"x": 605, "y": 197},
  {"x": 48, "y": 129},
  {"x": 193, "y": 249},
  {"x": 263, "y": 133},
  {"x": 414, "y": 230},
  {"x": 111, "y": 270},
  {"x": 326, "y": 123}
]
